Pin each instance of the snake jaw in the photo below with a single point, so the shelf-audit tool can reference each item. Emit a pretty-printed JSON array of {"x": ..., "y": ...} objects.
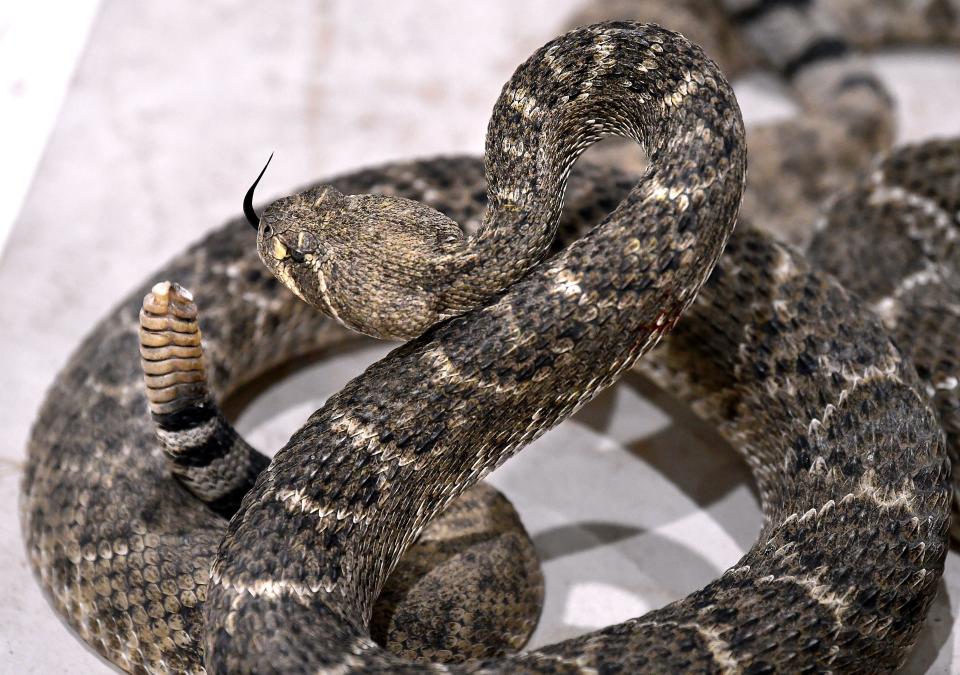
[{"x": 284, "y": 272}]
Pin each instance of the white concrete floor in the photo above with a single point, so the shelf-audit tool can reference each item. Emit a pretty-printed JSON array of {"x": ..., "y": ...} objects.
[
  {"x": 173, "y": 108},
  {"x": 37, "y": 60}
]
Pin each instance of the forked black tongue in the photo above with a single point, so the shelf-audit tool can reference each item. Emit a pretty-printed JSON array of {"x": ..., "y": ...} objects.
[{"x": 248, "y": 211}]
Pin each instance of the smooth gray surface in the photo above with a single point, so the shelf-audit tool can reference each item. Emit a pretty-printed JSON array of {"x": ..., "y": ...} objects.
[{"x": 174, "y": 108}]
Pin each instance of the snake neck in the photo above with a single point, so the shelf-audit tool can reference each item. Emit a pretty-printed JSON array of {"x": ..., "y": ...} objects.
[{"x": 577, "y": 89}]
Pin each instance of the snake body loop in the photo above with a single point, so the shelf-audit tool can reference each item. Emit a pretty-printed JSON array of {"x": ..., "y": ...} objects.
[{"x": 835, "y": 424}]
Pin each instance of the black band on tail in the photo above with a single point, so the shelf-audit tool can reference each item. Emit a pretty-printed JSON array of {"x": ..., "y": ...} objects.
[{"x": 248, "y": 211}]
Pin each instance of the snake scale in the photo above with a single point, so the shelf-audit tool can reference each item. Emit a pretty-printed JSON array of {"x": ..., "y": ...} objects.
[{"x": 125, "y": 514}]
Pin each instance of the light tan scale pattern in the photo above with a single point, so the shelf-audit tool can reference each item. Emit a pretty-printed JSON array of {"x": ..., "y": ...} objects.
[{"x": 905, "y": 214}]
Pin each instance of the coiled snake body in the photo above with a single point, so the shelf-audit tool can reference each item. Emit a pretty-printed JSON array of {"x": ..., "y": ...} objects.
[{"x": 834, "y": 422}]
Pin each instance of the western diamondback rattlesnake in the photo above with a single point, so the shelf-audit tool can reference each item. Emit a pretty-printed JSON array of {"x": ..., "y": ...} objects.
[{"x": 803, "y": 392}]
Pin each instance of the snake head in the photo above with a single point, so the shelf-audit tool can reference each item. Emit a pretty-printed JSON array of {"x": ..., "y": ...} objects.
[{"x": 370, "y": 262}]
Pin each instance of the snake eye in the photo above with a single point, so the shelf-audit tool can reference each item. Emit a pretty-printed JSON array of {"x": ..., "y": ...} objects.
[
  {"x": 307, "y": 242},
  {"x": 267, "y": 231}
]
